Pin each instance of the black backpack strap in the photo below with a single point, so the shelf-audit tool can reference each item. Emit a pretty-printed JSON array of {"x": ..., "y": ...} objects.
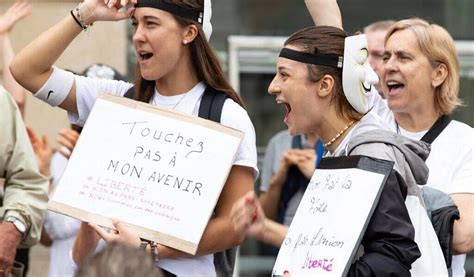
[
  {"x": 130, "y": 93},
  {"x": 297, "y": 142},
  {"x": 436, "y": 129},
  {"x": 211, "y": 106},
  {"x": 212, "y": 103}
]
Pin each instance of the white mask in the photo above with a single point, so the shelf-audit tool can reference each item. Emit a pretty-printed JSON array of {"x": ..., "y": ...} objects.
[
  {"x": 206, "y": 25},
  {"x": 357, "y": 75}
]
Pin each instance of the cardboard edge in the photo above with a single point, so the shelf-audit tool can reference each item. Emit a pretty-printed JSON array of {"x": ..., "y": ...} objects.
[
  {"x": 183, "y": 245},
  {"x": 170, "y": 113}
]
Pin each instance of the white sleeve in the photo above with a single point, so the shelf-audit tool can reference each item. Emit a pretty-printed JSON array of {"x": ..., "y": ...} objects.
[
  {"x": 462, "y": 181},
  {"x": 379, "y": 106},
  {"x": 234, "y": 116},
  {"x": 59, "y": 226},
  {"x": 87, "y": 91}
]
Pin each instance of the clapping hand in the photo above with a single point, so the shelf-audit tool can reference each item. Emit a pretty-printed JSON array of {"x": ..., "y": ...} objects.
[
  {"x": 248, "y": 217},
  {"x": 305, "y": 160},
  {"x": 43, "y": 151}
]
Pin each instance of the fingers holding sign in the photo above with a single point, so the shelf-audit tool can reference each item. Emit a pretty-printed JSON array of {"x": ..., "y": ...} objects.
[{"x": 121, "y": 234}]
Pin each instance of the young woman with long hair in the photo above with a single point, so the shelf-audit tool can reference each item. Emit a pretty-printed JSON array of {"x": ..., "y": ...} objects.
[{"x": 175, "y": 66}]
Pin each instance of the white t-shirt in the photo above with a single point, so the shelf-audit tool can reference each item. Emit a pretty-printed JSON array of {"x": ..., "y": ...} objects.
[
  {"x": 233, "y": 115},
  {"x": 451, "y": 159}
]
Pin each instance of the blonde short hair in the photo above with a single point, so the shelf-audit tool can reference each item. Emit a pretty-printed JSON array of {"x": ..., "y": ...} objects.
[{"x": 438, "y": 46}]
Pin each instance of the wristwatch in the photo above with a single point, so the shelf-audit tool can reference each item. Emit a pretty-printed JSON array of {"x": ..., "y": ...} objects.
[{"x": 19, "y": 225}]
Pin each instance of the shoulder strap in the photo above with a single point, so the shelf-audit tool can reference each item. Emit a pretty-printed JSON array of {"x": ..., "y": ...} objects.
[
  {"x": 130, "y": 93},
  {"x": 296, "y": 142},
  {"x": 436, "y": 129},
  {"x": 211, "y": 104}
]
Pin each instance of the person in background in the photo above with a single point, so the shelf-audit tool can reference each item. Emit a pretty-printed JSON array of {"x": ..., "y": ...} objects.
[
  {"x": 288, "y": 165},
  {"x": 375, "y": 33},
  {"x": 15, "y": 13},
  {"x": 24, "y": 196},
  {"x": 420, "y": 79},
  {"x": 59, "y": 231}
]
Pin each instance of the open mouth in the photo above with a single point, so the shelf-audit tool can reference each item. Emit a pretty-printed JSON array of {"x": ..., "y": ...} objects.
[
  {"x": 394, "y": 86},
  {"x": 288, "y": 110},
  {"x": 144, "y": 56}
]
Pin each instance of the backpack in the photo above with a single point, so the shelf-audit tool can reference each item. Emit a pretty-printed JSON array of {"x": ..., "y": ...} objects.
[
  {"x": 440, "y": 206},
  {"x": 441, "y": 209},
  {"x": 210, "y": 108}
]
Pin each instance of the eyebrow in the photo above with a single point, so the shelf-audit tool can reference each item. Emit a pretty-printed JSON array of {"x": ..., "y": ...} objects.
[
  {"x": 397, "y": 53},
  {"x": 282, "y": 67},
  {"x": 146, "y": 17},
  {"x": 150, "y": 17}
]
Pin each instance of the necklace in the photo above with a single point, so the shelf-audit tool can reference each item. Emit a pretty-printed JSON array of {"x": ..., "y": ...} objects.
[
  {"x": 331, "y": 141},
  {"x": 179, "y": 101}
]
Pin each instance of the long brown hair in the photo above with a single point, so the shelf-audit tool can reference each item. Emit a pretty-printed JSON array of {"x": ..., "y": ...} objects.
[
  {"x": 204, "y": 60},
  {"x": 325, "y": 40}
]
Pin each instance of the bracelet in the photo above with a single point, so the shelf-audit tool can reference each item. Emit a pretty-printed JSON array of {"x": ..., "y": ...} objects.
[
  {"x": 76, "y": 14},
  {"x": 154, "y": 251},
  {"x": 77, "y": 21}
]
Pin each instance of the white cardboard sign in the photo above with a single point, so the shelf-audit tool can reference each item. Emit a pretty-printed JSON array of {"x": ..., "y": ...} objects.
[
  {"x": 158, "y": 171},
  {"x": 329, "y": 224}
]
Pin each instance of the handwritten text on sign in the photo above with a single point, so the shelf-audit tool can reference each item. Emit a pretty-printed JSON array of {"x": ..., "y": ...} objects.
[
  {"x": 328, "y": 222},
  {"x": 152, "y": 168}
]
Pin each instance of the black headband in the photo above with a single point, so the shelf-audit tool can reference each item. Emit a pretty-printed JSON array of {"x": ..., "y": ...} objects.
[
  {"x": 319, "y": 59},
  {"x": 192, "y": 14}
]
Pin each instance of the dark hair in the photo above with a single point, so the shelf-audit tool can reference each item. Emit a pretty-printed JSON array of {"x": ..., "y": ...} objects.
[
  {"x": 325, "y": 40},
  {"x": 77, "y": 128},
  {"x": 204, "y": 60},
  {"x": 119, "y": 260}
]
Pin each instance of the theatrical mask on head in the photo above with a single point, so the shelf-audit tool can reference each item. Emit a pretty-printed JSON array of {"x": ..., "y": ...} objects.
[{"x": 357, "y": 75}]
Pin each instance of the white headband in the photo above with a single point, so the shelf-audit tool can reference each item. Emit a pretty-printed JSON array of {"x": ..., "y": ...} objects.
[{"x": 203, "y": 17}]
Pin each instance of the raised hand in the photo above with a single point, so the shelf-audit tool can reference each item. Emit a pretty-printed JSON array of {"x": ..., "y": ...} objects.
[
  {"x": 105, "y": 10},
  {"x": 16, "y": 12},
  {"x": 43, "y": 151}
]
